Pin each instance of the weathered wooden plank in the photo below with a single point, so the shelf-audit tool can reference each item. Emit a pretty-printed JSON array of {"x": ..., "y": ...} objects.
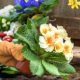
[{"x": 63, "y": 9}]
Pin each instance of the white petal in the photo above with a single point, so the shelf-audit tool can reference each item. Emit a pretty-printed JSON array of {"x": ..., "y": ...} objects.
[
  {"x": 43, "y": 45},
  {"x": 10, "y": 33},
  {"x": 52, "y": 28},
  {"x": 44, "y": 28},
  {"x": 69, "y": 57},
  {"x": 49, "y": 49},
  {"x": 41, "y": 39}
]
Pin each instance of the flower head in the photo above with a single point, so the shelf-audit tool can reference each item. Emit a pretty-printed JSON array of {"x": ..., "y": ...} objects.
[
  {"x": 59, "y": 45},
  {"x": 5, "y": 12},
  {"x": 36, "y": 3},
  {"x": 47, "y": 42},
  {"x": 55, "y": 40},
  {"x": 74, "y": 4},
  {"x": 68, "y": 46},
  {"x": 62, "y": 32},
  {"x": 27, "y": 3}
]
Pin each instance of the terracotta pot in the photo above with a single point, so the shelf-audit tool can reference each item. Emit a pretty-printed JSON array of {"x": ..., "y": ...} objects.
[{"x": 24, "y": 67}]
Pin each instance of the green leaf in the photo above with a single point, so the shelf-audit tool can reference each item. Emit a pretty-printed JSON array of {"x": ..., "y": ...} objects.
[
  {"x": 18, "y": 7},
  {"x": 30, "y": 9},
  {"x": 10, "y": 70},
  {"x": 51, "y": 68},
  {"x": 65, "y": 68},
  {"x": 13, "y": 16},
  {"x": 50, "y": 2},
  {"x": 27, "y": 36},
  {"x": 47, "y": 6},
  {"x": 43, "y": 20},
  {"x": 54, "y": 57},
  {"x": 28, "y": 54},
  {"x": 36, "y": 68}
]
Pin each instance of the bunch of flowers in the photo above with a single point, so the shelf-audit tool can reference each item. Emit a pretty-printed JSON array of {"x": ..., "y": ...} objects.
[
  {"x": 55, "y": 40},
  {"x": 48, "y": 48},
  {"x": 74, "y": 4}
]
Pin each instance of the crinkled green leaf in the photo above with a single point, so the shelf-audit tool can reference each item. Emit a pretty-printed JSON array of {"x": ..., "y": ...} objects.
[
  {"x": 29, "y": 55},
  {"x": 18, "y": 7},
  {"x": 50, "y": 2},
  {"x": 10, "y": 70},
  {"x": 31, "y": 9},
  {"x": 54, "y": 57},
  {"x": 65, "y": 68},
  {"x": 26, "y": 35},
  {"x": 36, "y": 68},
  {"x": 51, "y": 68}
]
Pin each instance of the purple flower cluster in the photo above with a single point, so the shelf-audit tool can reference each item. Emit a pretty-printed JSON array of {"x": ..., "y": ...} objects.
[{"x": 28, "y": 3}]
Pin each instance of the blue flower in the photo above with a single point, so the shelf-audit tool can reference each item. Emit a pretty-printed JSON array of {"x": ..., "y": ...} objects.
[
  {"x": 23, "y": 3},
  {"x": 27, "y": 3},
  {"x": 36, "y": 3}
]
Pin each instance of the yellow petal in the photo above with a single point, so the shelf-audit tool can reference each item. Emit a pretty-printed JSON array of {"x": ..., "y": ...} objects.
[
  {"x": 59, "y": 46},
  {"x": 68, "y": 47},
  {"x": 44, "y": 29}
]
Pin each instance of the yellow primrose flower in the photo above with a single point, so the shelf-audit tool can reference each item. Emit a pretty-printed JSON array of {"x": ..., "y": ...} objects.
[
  {"x": 44, "y": 28},
  {"x": 47, "y": 42},
  {"x": 74, "y": 4},
  {"x": 69, "y": 57},
  {"x": 68, "y": 47},
  {"x": 62, "y": 32},
  {"x": 59, "y": 46},
  {"x": 49, "y": 38},
  {"x": 52, "y": 28}
]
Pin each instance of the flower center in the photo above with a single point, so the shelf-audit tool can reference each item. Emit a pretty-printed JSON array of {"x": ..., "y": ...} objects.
[
  {"x": 66, "y": 49},
  {"x": 57, "y": 46},
  {"x": 45, "y": 31},
  {"x": 36, "y": 0},
  {"x": 26, "y": 1},
  {"x": 49, "y": 40},
  {"x": 56, "y": 35}
]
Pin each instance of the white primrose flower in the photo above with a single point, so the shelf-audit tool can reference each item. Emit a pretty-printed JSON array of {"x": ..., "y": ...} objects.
[
  {"x": 59, "y": 45},
  {"x": 9, "y": 33},
  {"x": 56, "y": 39},
  {"x": 52, "y": 28},
  {"x": 5, "y": 12},
  {"x": 14, "y": 26},
  {"x": 47, "y": 42},
  {"x": 62, "y": 31},
  {"x": 68, "y": 46},
  {"x": 44, "y": 28},
  {"x": 9, "y": 8}
]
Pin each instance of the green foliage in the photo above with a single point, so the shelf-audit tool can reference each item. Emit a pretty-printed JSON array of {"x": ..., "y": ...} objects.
[
  {"x": 51, "y": 68},
  {"x": 50, "y": 2},
  {"x": 36, "y": 67},
  {"x": 41, "y": 61},
  {"x": 47, "y": 5},
  {"x": 9, "y": 70},
  {"x": 18, "y": 7},
  {"x": 28, "y": 54},
  {"x": 65, "y": 68},
  {"x": 54, "y": 57}
]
